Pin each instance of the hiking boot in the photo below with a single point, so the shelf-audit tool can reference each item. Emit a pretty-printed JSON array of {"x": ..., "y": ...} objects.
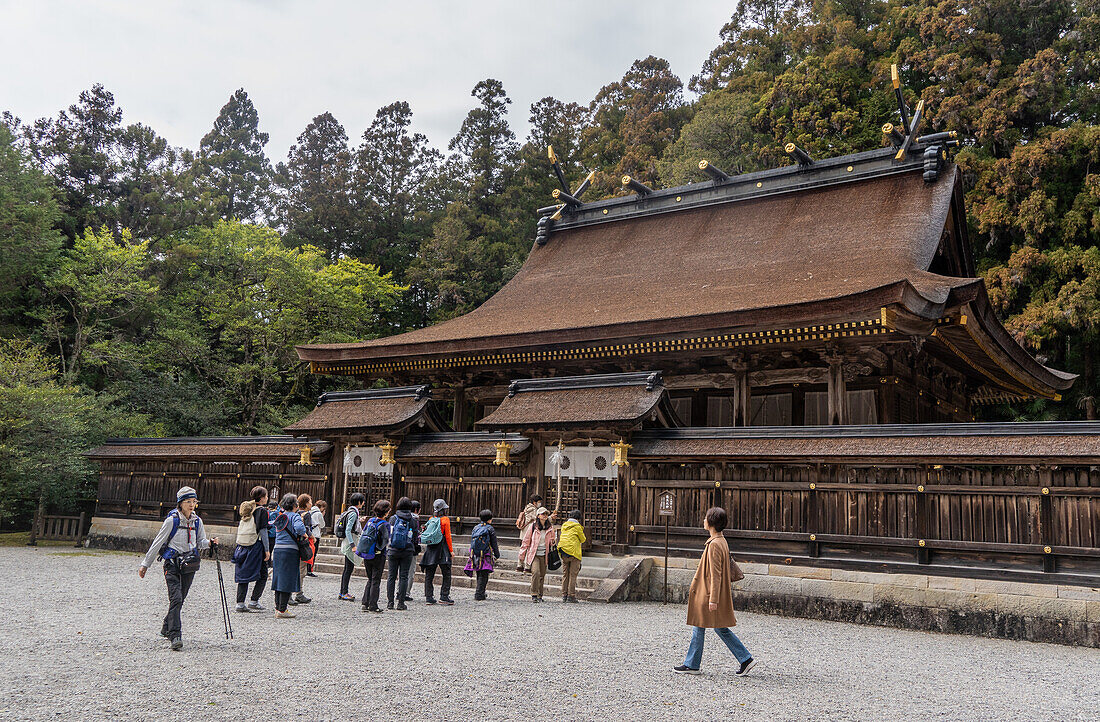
[
  {"x": 285, "y": 615},
  {"x": 684, "y": 669},
  {"x": 535, "y": 599},
  {"x": 310, "y": 574},
  {"x": 402, "y": 608},
  {"x": 240, "y": 607},
  {"x": 256, "y": 606},
  {"x": 572, "y": 600},
  {"x": 177, "y": 644},
  {"x": 746, "y": 666},
  {"x": 429, "y": 601},
  {"x": 345, "y": 597},
  {"x": 390, "y": 606},
  {"x": 302, "y": 599}
]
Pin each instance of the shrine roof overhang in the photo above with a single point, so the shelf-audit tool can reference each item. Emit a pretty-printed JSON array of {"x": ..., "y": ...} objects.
[
  {"x": 371, "y": 411},
  {"x": 466, "y": 445},
  {"x": 598, "y": 401},
  {"x": 266, "y": 448},
  {"x": 796, "y": 253},
  {"x": 887, "y": 444}
]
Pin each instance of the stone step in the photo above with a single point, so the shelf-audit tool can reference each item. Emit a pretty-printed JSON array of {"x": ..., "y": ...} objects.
[
  {"x": 498, "y": 582},
  {"x": 588, "y": 580},
  {"x": 508, "y": 553}
]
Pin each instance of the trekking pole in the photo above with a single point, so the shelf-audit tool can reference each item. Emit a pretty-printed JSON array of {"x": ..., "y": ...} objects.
[{"x": 221, "y": 585}]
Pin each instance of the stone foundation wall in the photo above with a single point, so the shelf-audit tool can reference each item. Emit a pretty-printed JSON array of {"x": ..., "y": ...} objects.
[
  {"x": 1060, "y": 614},
  {"x": 135, "y": 535}
]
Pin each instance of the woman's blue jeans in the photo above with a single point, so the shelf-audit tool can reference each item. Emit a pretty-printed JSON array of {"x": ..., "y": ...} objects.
[{"x": 694, "y": 656}]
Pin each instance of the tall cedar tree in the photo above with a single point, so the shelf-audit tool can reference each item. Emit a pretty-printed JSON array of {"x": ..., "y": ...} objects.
[
  {"x": 316, "y": 204},
  {"x": 231, "y": 161},
  {"x": 394, "y": 168},
  {"x": 479, "y": 244}
]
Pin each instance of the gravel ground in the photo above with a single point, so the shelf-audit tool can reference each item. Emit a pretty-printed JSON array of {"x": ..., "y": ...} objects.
[{"x": 81, "y": 643}]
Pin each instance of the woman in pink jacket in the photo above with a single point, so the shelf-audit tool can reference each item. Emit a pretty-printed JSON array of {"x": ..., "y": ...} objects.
[{"x": 538, "y": 538}]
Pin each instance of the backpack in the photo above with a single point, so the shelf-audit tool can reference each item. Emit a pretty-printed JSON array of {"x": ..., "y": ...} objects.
[
  {"x": 368, "y": 540},
  {"x": 433, "y": 532},
  {"x": 167, "y": 553},
  {"x": 246, "y": 531},
  {"x": 401, "y": 537},
  {"x": 479, "y": 540},
  {"x": 341, "y": 530}
]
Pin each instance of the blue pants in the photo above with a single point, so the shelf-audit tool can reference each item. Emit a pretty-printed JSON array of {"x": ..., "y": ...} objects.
[{"x": 694, "y": 656}]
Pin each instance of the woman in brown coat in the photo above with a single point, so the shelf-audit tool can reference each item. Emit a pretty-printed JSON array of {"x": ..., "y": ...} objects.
[{"x": 710, "y": 603}]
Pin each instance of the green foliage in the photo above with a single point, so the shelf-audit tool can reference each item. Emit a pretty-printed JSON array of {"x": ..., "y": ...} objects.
[{"x": 29, "y": 239}]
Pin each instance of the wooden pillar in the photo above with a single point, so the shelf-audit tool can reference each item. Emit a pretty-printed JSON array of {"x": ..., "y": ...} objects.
[
  {"x": 742, "y": 394},
  {"x": 838, "y": 392},
  {"x": 458, "y": 418}
]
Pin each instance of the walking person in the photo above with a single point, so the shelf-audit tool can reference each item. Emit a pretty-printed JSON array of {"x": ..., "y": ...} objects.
[
  {"x": 305, "y": 504},
  {"x": 401, "y": 553},
  {"x": 438, "y": 554},
  {"x": 286, "y": 578},
  {"x": 483, "y": 551},
  {"x": 537, "y": 542},
  {"x": 178, "y": 542},
  {"x": 317, "y": 524},
  {"x": 523, "y": 522},
  {"x": 710, "y": 602},
  {"x": 570, "y": 545},
  {"x": 253, "y": 550},
  {"x": 372, "y": 548},
  {"x": 348, "y": 528}
]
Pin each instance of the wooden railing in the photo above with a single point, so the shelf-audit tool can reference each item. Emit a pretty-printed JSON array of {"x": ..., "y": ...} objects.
[{"x": 62, "y": 528}]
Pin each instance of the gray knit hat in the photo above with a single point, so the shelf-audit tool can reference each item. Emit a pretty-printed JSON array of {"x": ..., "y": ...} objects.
[{"x": 186, "y": 492}]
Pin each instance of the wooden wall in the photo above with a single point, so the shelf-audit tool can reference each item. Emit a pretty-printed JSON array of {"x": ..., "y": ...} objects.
[
  {"x": 146, "y": 488},
  {"x": 1033, "y": 518}
]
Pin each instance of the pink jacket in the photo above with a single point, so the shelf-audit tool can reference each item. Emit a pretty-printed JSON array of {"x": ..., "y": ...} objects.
[{"x": 531, "y": 539}]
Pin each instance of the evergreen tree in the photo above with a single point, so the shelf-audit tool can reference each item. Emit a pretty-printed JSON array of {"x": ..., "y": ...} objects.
[
  {"x": 487, "y": 142},
  {"x": 315, "y": 205},
  {"x": 232, "y": 164},
  {"x": 394, "y": 170},
  {"x": 79, "y": 151},
  {"x": 633, "y": 121}
]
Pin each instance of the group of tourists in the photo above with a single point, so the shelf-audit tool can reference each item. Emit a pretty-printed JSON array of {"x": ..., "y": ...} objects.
[{"x": 286, "y": 536}]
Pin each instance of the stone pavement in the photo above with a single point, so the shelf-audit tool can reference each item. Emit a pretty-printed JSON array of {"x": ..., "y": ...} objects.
[{"x": 80, "y": 643}]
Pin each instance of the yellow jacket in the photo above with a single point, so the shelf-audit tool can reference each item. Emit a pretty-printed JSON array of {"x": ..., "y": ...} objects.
[{"x": 572, "y": 536}]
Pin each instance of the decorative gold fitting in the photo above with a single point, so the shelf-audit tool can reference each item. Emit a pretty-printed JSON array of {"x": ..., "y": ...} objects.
[
  {"x": 759, "y": 184},
  {"x": 850, "y": 168},
  {"x": 678, "y": 199},
  {"x": 631, "y": 527},
  {"x": 605, "y": 211},
  {"x": 551, "y": 154},
  {"x": 703, "y": 165},
  {"x": 1046, "y": 550},
  {"x": 1046, "y": 490},
  {"x": 621, "y": 449},
  {"x": 920, "y": 487},
  {"x": 920, "y": 543},
  {"x": 387, "y": 450},
  {"x": 504, "y": 450},
  {"x": 888, "y": 128},
  {"x": 632, "y": 482},
  {"x": 460, "y": 480},
  {"x": 894, "y": 75},
  {"x": 789, "y": 148},
  {"x": 813, "y": 537},
  {"x": 626, "y": 180},
  {"x": 937, "y": 467},
  {"x": 717, "y": 484},
  {"x": 556, "y": 193},
  {"x": 813, "y": 486}
]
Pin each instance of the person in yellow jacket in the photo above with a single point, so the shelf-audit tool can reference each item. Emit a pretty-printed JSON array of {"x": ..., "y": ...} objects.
[{"x": 569, "y": 546}]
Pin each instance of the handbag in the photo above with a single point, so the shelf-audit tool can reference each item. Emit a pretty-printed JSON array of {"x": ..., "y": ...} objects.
[
  {"x": 553, "y": 559},
  {"x": 188, "y": 562},
  {"x": 305, "y": 551},
  {"x": 736, "y": 574}
]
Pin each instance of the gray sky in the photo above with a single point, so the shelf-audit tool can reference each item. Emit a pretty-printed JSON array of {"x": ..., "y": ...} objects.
[{"x": 172, "y": 65}]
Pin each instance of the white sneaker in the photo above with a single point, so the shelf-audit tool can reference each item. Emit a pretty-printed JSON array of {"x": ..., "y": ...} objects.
[
  {"x": 285, "y": 615},
  {"x": 241, "y": 607}
]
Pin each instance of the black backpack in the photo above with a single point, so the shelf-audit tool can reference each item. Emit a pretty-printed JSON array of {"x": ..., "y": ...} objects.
[{"x": 341, "y": 530}]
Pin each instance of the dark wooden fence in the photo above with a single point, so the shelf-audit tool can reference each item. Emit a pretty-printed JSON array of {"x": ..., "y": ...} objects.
[
  {"x": 146, "y": 488},
  {"x": 975, "y": 519},
  {"x": 467, "y": 488}
]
